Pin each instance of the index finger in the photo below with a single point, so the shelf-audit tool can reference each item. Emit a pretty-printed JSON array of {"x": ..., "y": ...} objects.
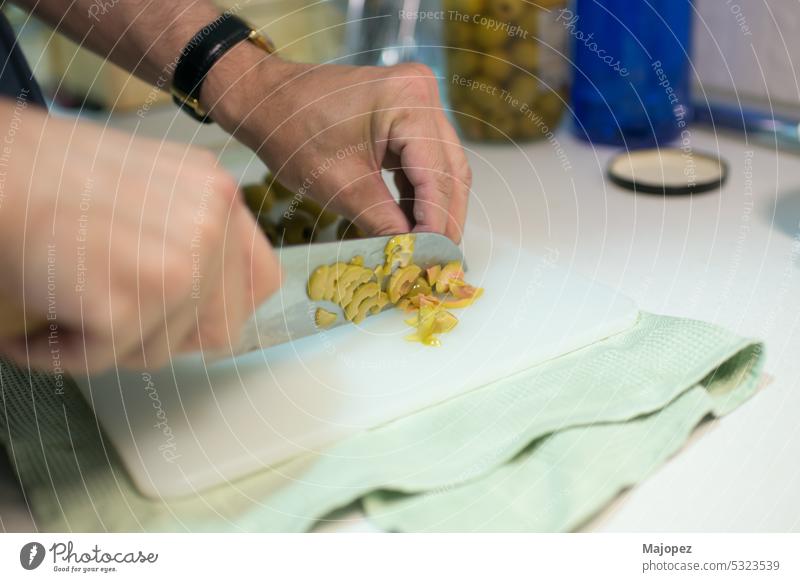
[
  {"x": 462, "y": 181},
  {"x": 427, "y": 168}
]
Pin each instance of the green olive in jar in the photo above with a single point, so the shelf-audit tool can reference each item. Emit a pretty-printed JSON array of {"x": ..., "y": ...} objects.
[
  {"x": 523, "y": 87},
  {"x": 459, "y": 34},
  {"x": 490, "y": 36},
  {"x": 496, "y": 65},
  {"x": 528, "y": 126},
  {"x": 550, "y": 105},
  {"x": 470, "y": 121},
  {"x": 529, "y": 20},
  {"x": 459, "y": 95},
  {"x": 506, "y": 10},
  {"x": 485, "y": 92},
  {"x": 463, "y": 62},
  {"x": 525, "y": 53},
  {"x": 505, "y": 119},
  {"x": 464, "y": 6}
]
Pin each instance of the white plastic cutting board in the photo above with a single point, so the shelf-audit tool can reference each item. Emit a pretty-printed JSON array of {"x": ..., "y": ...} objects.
[{"x": 189, "y": 427}]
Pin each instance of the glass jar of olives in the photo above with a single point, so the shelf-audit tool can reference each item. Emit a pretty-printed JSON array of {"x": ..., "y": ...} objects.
[{"x": 507, "y": 71}]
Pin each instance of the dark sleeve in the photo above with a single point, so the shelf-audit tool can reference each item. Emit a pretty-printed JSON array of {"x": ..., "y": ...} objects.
[{"x": 16, "y": 79}]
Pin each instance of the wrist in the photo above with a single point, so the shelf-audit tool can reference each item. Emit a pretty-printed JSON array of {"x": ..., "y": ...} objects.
[{"x": 237, "y": 84}]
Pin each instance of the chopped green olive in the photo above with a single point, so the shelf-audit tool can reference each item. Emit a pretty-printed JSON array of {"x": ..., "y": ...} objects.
[
  {"x": 399, "y": 250},
  {"x": 370, "y": 305},
  {"x": 359, "y": 290},
  {"x": 361, "y": 294},
  {"x": 383, "y": 301},
  {"x": 433, "y": 274},
  {"x": 352, "y": 277},
  {"x": 451, "y": 270},
  {"x": 330, "y": 283},
  {"x": 277, "y": 189},
  {"x": 324, "y": 318},
  {"x": 258, "y": 199},
  {"x": 444, "y": 322},
  {"x": 419, "y": 286},
  {"x": 401, "y": 281},
  {"x": 317, "y": 283}
]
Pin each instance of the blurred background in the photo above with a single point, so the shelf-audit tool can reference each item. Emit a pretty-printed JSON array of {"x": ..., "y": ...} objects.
[{"x": 740, "y": 55}]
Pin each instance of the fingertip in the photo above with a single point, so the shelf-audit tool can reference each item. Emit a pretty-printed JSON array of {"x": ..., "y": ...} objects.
[{"x": 383, "y": 219}]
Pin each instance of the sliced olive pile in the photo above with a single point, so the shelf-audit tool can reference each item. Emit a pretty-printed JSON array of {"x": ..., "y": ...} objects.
[{"x": 428, "y": 293}]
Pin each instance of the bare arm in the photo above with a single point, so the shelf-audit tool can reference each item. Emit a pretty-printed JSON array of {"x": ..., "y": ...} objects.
[
  {"x": 297, "y": 116},
  {"x": 142, "y": 36}
]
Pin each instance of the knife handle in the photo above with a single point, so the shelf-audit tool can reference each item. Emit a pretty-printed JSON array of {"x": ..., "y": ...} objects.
[{"x": 12, "y": 320}]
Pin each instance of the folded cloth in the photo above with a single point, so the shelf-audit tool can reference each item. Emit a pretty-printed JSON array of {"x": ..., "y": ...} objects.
[{"x": 543, "y": 450}]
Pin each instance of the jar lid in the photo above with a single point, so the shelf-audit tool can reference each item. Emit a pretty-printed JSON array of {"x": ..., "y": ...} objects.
[{"x": 667, "y": 171}]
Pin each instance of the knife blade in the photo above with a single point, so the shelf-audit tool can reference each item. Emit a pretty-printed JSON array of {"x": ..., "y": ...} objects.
[{"x": 289, "y": 314}]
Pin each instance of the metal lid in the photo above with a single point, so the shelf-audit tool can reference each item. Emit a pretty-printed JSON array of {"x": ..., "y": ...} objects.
[{"x": 668, "y": 171}]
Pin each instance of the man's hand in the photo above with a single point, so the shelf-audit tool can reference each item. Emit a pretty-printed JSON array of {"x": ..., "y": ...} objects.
[
  {"x": 328, "y": 131},
  {"x": 138, "y": 249}
]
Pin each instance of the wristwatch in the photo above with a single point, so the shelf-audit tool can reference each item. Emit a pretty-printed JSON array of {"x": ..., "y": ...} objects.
[{"x": 204, "y": 49}]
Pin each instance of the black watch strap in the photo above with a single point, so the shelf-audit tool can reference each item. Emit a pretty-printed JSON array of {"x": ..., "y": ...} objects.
[{"x": 201, "y": 52}]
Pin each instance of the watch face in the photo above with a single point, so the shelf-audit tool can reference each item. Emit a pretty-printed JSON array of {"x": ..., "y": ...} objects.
[{"x": 668, "y": 171}]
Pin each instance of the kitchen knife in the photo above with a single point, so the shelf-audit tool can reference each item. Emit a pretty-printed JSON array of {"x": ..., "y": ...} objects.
[{"x": 289, "y": 313}]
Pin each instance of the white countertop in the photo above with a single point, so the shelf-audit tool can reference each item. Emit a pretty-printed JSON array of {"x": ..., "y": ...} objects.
[{"x": 732, "y": 258}]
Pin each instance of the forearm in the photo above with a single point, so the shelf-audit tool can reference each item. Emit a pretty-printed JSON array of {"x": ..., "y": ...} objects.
[
  {"x": 146, "y": 37},
  {"x": 143, "y": 36}
]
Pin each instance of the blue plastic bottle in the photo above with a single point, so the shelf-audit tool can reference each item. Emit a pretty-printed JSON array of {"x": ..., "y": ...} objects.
[{"x": 631, "y": 70}]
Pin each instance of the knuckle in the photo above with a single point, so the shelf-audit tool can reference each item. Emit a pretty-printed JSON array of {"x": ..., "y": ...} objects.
[
  {"x": 419, "y": 82},
  {"x": 420, "y": 70},
  {"x": 464, "y": 171},
  {"x": 225, "y": 188},
  {"x": 444, "y": 185}
]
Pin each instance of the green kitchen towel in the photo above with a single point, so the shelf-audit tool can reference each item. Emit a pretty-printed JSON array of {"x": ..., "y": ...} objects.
[
  {"x": 543, "y": 450},
  {"x": 555, "y": 484}
]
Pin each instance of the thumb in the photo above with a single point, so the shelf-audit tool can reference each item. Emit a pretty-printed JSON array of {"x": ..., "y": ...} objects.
[{"x": 262, "y": 272}]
